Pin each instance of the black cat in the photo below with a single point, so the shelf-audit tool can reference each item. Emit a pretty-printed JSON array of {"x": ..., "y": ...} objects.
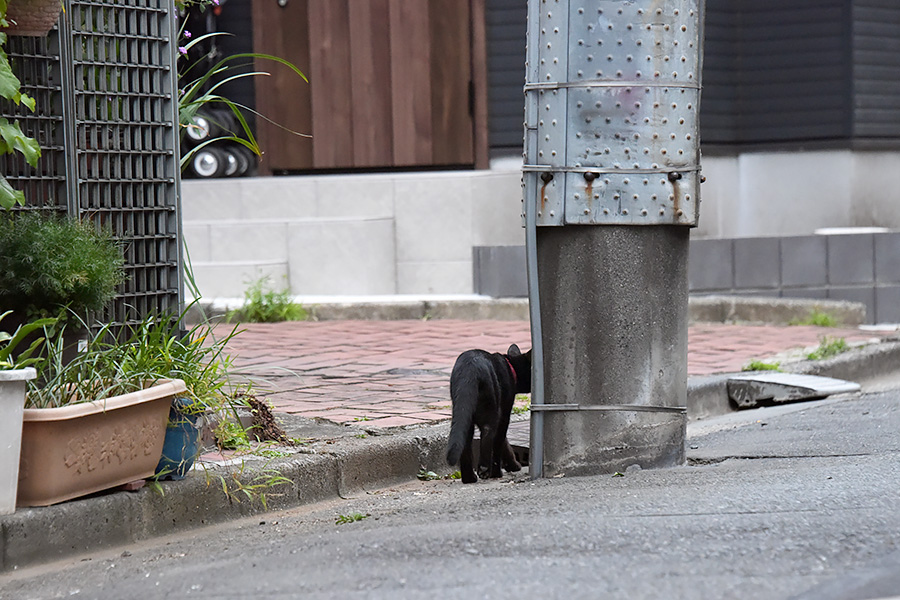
[{"x": 483, "y": 388}]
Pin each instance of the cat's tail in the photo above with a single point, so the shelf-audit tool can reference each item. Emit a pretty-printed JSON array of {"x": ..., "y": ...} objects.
[{"x": 464, "y": 393}]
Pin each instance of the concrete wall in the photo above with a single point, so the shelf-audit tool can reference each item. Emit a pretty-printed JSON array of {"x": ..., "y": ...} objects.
[
  {"x": 795, "y": 193},
  {"x": 409, "y": 233},
  {"x": 415, "y": 233},
  {"x": 856, "y": 267}
]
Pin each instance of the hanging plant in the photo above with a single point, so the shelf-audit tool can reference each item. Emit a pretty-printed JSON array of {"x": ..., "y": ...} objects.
[
  {"x": 12, "y": 139},
  {"x": 32, "y": 17}
]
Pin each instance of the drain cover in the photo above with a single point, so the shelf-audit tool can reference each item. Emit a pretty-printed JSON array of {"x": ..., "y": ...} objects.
[{"x": 765, "y": 389}]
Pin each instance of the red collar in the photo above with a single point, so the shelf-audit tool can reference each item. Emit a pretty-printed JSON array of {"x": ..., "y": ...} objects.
[{"x": 512, "y": 370}]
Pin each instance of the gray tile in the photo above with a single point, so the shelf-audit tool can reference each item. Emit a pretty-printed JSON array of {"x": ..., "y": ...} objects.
[
  {"x": 710, "y": 266},
  {"x": 757, "y": 293},
  {"x": 887, "y": 304},
  {"x": 756, "y": 263},
  {"x": 851, "y": 259},
  {"x": 812, "y": 293},
  {"x": 500, "y": 271},
  {"x": 803, "y": 261},
  {"x": 863, "y": 294},
  {"x": 887, "y": 257}
]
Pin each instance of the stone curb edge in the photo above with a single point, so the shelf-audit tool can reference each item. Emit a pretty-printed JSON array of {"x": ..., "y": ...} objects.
[
  {"x": 715, "y": 309},
  {"x": 32, "y": 536}
]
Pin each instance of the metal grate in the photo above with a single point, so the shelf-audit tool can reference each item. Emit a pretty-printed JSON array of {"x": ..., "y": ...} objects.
[
  {"x": 36, "y": 62},
  {"x": 106, "y": 122}
]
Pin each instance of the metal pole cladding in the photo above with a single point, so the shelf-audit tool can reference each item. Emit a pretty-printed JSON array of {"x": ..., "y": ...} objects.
[
  {"x": 612, "y": 97},
  {"x": 536, "y": 450}
]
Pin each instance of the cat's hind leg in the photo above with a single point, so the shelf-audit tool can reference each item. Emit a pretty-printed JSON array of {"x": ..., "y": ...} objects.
[{"x": 466, "y": 470}]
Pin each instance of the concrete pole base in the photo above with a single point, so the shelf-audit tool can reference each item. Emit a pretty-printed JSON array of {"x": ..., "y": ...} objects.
[{"x": 614, "y": 311}]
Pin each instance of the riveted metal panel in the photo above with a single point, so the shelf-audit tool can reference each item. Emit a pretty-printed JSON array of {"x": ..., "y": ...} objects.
[{"x": 616, "y": 111}]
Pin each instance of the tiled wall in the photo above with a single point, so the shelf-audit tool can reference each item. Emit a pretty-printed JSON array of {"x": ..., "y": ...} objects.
[{"x": 857, "y": 267}]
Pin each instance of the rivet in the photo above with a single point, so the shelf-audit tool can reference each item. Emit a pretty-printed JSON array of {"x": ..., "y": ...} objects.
[
  {"x": 624, "y": 211},
  {"x": 662, "y": 211},
  {"x": 552, "y": 214},
  {"x": 605, "y": 211},
  {"x": 679, "y": 213},
  {"x": 643, "y": 212},
  {"x": 587, "y": 211},
  {"x": 577, "y": 196}
]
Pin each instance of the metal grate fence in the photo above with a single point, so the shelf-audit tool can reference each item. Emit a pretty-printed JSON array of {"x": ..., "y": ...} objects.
[{"x": 105, "y": 87}]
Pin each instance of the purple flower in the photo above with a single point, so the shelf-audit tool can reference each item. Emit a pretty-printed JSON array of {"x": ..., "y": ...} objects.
[
  {"x": 182, "y": 49},
  {"x": 216, "y": 2},
  {"x": 187, "y": 34}
]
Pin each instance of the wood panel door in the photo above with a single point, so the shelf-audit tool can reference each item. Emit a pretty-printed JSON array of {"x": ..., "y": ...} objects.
[{"x": 392, "y": 84}]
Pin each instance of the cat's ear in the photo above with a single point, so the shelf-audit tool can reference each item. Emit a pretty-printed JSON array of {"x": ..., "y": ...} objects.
[{"x": 513, "y": 351}]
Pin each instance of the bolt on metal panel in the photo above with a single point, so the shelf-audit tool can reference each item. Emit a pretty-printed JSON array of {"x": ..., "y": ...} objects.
[{"x": 612, "y": 111}]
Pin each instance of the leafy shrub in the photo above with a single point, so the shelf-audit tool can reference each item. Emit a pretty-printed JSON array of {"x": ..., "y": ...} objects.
[{"x": 48, "y": 262}]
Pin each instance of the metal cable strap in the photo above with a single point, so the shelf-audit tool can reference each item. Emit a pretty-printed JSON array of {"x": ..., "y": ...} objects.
[
  {"x": 555, "y": 85},
  {"x": 608, "y": 407}
]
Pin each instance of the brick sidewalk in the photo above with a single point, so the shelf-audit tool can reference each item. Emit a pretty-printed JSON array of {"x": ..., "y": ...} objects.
[{"x": 396, "y": 373}]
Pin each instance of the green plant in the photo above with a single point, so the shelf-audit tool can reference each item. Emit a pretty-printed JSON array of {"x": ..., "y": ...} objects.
[
  {"x": 154, "y": 349},
  {"x": 828, "y": 347},
  {"x": 759, "y": 365},
  {"x": 817, "y": 318},
  {"x": 199, "y": 90},
  {"x": 454, "y": 475},
  {"x": 9, "y": 359},
  {"x": 264, "y": 305},
  {"x": 351, "y": 518},
  {"x": 48, "y": 262},
  {"x": 426, "y": 475},
  {"x": 12, "y": 139},
  {"x": 523, "y": 405},
  {"x": 238, "y": 486}
]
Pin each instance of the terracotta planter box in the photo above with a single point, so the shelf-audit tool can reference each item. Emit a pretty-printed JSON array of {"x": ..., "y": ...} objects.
[{"x": 76, "y": 450}]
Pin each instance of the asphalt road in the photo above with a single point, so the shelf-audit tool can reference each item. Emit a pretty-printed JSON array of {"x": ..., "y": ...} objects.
[{"x": 790, "y": 502}]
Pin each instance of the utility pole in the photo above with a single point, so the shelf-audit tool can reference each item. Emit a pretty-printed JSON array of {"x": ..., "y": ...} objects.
[{"x": 611, "y": 190}]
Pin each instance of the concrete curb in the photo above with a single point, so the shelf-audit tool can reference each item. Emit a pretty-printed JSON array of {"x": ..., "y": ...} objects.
[
  {"x": 33, "y": 536},
  {"x": 39, "y": 535},
  {"x": 715, "y": 309}
]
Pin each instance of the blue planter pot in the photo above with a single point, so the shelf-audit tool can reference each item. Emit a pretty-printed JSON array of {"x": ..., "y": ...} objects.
[{"x": 182, "y": 443}]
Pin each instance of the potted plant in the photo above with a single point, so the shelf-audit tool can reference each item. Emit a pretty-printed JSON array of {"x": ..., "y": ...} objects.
[
  {"x": 103, "y": 418},
  {"x": 31, "y": 17},
  {"x": 15, "y": 372},
  {"x": 90, "y": 423}
]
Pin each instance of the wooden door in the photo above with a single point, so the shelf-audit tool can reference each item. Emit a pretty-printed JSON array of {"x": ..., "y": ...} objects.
[{"x": 393, "y": 84}]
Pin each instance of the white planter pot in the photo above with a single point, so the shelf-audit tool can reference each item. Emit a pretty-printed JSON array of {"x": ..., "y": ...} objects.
[{"x": 12, "y": 405}]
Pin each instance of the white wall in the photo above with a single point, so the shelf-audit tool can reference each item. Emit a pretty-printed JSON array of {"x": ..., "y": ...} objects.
[
  {"x": 367, "y": 234},
  {"x": 794, "y": 193},
  {"x": 413, "y": 233}
]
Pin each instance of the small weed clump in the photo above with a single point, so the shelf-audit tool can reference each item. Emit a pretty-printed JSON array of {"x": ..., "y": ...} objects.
[
  {"x": 817, "y": 318},
  {"x": 759, "y": 365},
  {"x": 828, "y": 347},
  {"x": 264, "y": 305},
  {"x": 351, "y": 518},
  {"x": 523, "y": 404}
]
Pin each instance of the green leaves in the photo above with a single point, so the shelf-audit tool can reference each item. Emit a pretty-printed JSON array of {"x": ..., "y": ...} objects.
[
  {"x": 11, "y": 137},
  {"x": 9, "y": 342}
]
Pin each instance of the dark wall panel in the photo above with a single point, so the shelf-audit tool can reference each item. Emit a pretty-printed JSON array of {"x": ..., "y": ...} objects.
[
  {"x": 876, "y": 75},
  {"x": 506, "y": 32}
]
